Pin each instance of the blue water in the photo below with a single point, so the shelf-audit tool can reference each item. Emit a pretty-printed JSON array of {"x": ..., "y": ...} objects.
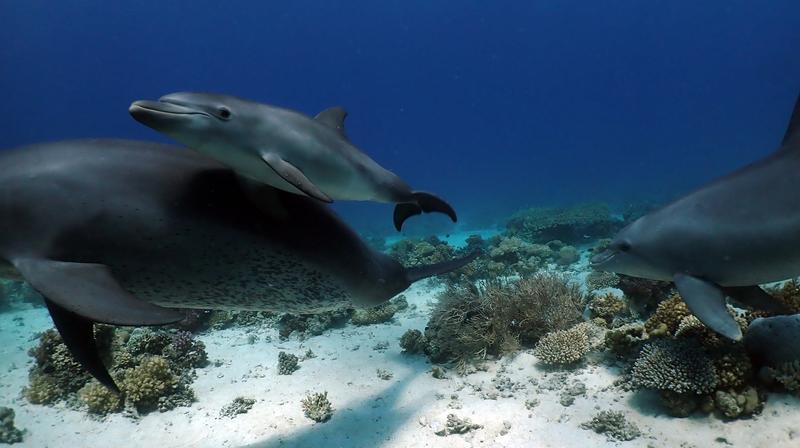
[{"x": 494, "y": 105}]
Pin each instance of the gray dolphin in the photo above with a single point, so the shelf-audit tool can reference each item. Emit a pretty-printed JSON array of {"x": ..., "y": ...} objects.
[
  {"x": 722, "y": 240},
  {"x": 117, "y": 232},
  {"x": 284, "y": 148}
]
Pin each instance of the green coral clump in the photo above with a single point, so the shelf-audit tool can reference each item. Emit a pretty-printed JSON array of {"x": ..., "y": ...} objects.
[
  {"x": 42, "y": 389},
  {"x": 625, "y": 340},
  {"x": 317, "y": 407},
  {"x": 287, "y": 363},
  {"x": 613, "y": 425},
  {"x": 735, "y": 404},
  {"x": 468, "y": 324},
  {"x": 100, "y": 399},
  {"x": 8, "y": 432},
  {"x": 147, "y": 382},
  {"x": 563, "y": 347},
  {"x": 674, "y": 365},
  {"x": 570, "y": 224}
]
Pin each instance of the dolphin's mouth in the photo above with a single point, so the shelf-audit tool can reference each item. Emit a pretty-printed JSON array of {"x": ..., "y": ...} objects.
[
  {"x": 602, "y": 257},
  {"x": 165, "y": 107}
]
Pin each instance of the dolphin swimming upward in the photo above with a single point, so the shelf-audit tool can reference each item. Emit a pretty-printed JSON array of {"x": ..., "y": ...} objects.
[
  {"x": 722, "y": 240},
  {"x": 285, "y": 149},
  {"x": 116, "y": 232}
]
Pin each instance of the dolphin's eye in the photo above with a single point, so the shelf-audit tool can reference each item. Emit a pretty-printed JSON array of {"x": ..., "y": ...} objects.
[
  {"x": 224, "y": 113},
  {"x": 624, "y": 246}
]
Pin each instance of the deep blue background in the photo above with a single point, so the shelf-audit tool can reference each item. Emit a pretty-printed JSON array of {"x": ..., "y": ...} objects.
[{"x": 495, "y": 105}]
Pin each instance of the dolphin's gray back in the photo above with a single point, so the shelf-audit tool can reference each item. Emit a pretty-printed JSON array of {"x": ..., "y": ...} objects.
[{"x": 179, "y": 230}]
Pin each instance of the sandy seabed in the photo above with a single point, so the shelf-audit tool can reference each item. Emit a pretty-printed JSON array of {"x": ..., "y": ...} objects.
[{"x": 404, "y": 411}]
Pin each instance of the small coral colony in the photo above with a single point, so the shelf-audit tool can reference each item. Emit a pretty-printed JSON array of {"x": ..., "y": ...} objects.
[{"x": 530, "y": 289}]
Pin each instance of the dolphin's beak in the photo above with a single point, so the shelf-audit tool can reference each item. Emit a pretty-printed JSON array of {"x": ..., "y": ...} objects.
[
  {"x": 602, "y": 257},
  {"x": 161, "y": 107}
]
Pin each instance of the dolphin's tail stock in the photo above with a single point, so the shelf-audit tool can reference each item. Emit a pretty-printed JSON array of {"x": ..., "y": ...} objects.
[
  {"x": 423, "y": 203},
  {"x": 420, "y": 272}
]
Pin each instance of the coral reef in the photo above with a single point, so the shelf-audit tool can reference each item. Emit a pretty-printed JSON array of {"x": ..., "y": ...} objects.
[
  {"x": 153, "y": 368},
  {"x": 571, "y": 224},
  {"x": 563, "y": 346},
  {"x": 613, "y": 425},
  {"x": 8, "y": 432},
  {"x": 469, "y": 323},
  {"x": 287, "y": 363},
  {"x": 413, "y": 342},
  {"x": 239, "y": 405},
  {"x": 379, "y": 314},
  {"x": 384, "y": 374},
  {"x": 416, "y": 252},
  {"x": 734, "y": 404},
  {"x": 317, "y": 407},
  {"x": 675, "y": 365},
  {"x": 455, "y": 425}
]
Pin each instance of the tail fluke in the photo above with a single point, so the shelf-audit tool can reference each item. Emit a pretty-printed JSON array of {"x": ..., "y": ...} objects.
[
  {"x": 424, "y": 203},
  {"x": 420, "y": 272}
]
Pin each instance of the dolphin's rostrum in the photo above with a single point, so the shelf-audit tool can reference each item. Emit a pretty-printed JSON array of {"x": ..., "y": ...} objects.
[
  {"x": 119, "y": 232},
  {"x": 722, "y": 240},
  {"x": 285, "y": 149}
]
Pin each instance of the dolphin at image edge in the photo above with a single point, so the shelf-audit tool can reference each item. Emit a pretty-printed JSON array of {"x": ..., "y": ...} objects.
[
  {"x": 118, "y": 232},
  {"x": 724, "y": 239},
  {"x": 285, "y": 149}
]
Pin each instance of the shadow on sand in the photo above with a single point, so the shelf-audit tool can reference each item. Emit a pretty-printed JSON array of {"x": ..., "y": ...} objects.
[{"x": 365, "y": 423}]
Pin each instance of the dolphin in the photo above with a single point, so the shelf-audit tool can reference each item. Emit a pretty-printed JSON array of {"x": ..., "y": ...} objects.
[
  {"x": 121, "y": 232},
  {"x": 285, "y": 149},
  {"x": 722, "y": 240}
]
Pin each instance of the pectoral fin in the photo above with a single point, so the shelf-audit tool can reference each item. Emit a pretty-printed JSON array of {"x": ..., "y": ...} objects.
[
  {"x": 294, "y": 176},
  {"x": 706, "y": 300},
  {"x": 80, "y": 294}
]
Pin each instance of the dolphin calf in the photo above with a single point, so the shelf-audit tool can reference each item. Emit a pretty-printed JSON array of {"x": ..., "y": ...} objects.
[
  {"x": 722, "y": 240},
  {"x": 285, "y": 149},
  {"x": 119, "y": 232}
]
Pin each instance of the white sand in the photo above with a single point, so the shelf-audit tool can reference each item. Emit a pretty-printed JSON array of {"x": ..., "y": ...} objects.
[{"x": 369, "y": 412}]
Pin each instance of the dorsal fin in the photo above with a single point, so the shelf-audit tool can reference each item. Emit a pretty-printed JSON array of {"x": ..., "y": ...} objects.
[
  {"x": 793, "y": 131},
  {"x": 333, "y": 117}
]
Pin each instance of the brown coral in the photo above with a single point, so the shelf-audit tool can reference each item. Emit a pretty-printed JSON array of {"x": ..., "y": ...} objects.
[{"x": 667, "y": 317}]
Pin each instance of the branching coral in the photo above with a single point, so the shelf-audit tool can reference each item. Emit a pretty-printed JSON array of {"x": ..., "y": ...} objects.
[
  {"x": 601, "y": 279},
  {"x": 317, "y": 407},
  {"x": 467, "y": 323},
  {"x": 675, "y": 365},
  {"x": 563, "y": 346}
]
